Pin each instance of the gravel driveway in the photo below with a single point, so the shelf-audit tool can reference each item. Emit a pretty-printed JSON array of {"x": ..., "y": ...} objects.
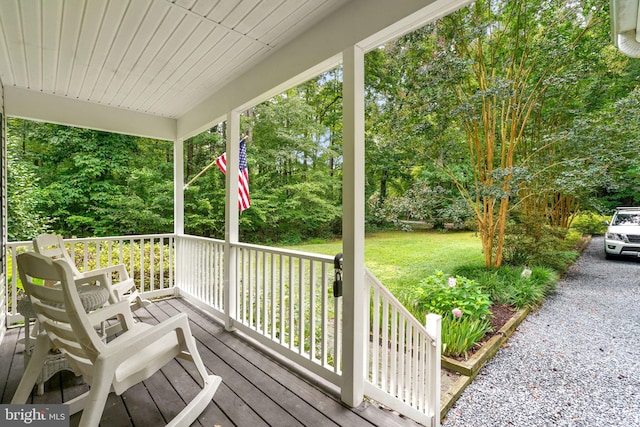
[{"x": 573, "y": 362}]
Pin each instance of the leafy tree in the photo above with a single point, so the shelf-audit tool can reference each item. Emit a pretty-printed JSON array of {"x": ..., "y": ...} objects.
[
  {"x": 24, "y": 220},
  {"x": 204, "y": 198},
  {"x": 293, "y": 171},
  {"x": 97, "y": 183},
  {"x": 501, "y": 58}
]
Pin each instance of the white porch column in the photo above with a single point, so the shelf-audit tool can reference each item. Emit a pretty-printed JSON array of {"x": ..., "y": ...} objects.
[
  {"x": 354, "y": 336},
  {"x": 178, "y": 186},
  {"x": 231, "y": 229}
]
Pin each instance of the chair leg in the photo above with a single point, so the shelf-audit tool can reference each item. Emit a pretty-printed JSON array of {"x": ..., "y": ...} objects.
[
  {"x": 194, "y": 356},
  {"x": 96, "y": 399},
  {"x": 33, "y": 369}
]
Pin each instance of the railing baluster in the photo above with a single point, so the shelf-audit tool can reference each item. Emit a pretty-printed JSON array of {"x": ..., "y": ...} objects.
[
  {"x": 337, "y": 353},
  {"x": 312, "y": 309},
  {"x": 292, "y": 297},
  {"x": 14, "y": 282},
  {"x": 172, "y": 251},
  {"x": 250, "y": 285},
  {"x": 375, "y": 345},
  {"x": 265, "y": 297},
  {"x": 301, "y": 306},
  {"x": 220, "y": 275},
  {"x": 281, "y": 306},
  {"x": 98, "y": 254},
  {"x": 152, "y": 264},
  {"x": 132, "y": 271},
  {"x": 394, "y": 351},
  {"x": 161, "y": 260},
  {"x": 324, "y": 351},
  {"x": 85, "y": 254},
  {"x": 120, "y": 246},
  {"x": 401, "y": 359},
  {"x": 274, "y": 296},
  {"x": 203, "y": 271}
]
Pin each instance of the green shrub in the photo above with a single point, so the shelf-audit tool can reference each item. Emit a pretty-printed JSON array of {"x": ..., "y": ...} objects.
[
  {"x": 528, "y": 241},
  {"x": 506, "y": 285},
  {"x": 441, "y": 294},
  {"x": 574, "y": 238},
  {"x": 459, "y": 335},
  {"x": 590, "y": 223}
]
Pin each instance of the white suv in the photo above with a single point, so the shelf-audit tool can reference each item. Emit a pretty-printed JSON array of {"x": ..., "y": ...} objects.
[{"x": 623, "y": 234}]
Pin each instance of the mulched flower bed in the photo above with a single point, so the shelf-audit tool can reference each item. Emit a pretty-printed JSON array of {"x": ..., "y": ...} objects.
[{"x": 501, "y": 315}]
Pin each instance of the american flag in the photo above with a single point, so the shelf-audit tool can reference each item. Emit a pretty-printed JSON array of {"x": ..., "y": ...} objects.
[{"x": 243, "y": 177}]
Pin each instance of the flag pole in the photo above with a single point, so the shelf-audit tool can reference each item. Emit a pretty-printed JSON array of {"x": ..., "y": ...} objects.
[
  {"x": 205, "y": 169},
  {"x": 198, "y": 175}
]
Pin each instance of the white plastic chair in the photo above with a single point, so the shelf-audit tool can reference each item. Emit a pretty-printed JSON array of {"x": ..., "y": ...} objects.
[
  {"x": 132, "y": 357},
  {"x": 52, "y": 246}
]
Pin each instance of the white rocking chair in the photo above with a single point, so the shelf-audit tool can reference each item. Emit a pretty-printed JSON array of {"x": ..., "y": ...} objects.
[
  {"x": 52, "y": 246},
  {"x": 132, "y": 357}
]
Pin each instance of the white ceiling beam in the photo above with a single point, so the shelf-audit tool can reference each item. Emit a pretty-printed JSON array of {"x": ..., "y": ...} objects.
[
  {"x": 26, "y": 104},
  {"x": 366, "y": 23}
]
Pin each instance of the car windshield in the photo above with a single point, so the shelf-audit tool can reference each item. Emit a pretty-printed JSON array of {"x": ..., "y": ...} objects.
[{"x": 627, "y": 219}]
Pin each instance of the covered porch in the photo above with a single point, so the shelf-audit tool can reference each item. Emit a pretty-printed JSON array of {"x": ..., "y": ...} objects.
[{"x": 170, "y": 69}]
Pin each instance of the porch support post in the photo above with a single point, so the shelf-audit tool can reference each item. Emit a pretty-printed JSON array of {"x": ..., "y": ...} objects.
[
  {"x": 354, "y": 336},
  {"x": 231, "y": 233},
  {"x": 178, "y": 186}
]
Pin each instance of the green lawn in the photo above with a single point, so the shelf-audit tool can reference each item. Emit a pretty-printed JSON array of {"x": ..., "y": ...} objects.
[{"x": 400, "y": 259}]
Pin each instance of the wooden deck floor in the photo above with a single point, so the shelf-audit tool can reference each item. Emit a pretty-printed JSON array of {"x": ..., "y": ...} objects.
[{"x": 256, "y": 389}]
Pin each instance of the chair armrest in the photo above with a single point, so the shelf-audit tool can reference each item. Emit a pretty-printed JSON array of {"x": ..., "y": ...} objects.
[
  {"x": 121, "y": 310},
  {"x": 102, "y": 280},
  {"x": 136, "y": 341},
  {"x": 123, "y": 287}
]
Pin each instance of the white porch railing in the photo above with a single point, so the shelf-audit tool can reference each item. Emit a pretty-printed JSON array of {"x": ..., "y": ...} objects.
[
  {"x": 286, "y": 297},
  {"x": 283, "y": 300},
  {"x": 200, "y": 277},
  {"x": 403, "y": 357},
  {"x": 149, "y": 259}
]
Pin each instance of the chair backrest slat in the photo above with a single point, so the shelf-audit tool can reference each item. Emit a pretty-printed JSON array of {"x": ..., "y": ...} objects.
[
  {"x": 56, "y": 313},
  {"x": 52, "y": 246}
]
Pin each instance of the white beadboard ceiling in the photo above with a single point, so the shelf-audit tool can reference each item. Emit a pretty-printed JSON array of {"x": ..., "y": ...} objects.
[
  {"x": 158, "y": 57},
  {"x": 155, "y": 60}
]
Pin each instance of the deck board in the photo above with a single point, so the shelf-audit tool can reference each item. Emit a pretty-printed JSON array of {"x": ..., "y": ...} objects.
[
  {"x": 256, "y": 389},
  {"x": 278, "y": 396},
  {"x": 7, "y": 354}
]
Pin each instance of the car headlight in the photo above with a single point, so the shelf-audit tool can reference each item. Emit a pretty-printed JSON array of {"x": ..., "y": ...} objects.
[{"x": 618, "y": 236}]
